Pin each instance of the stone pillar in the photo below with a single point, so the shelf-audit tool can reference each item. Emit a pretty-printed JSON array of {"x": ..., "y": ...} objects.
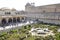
[
  {"x": 0, "y": 20},
  {"x": 20, "y": 19},
  {"x": 7, "y": 20},
  {"x": 16, "y": 19}
]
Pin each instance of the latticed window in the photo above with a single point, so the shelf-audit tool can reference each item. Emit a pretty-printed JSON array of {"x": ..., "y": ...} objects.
[
  {"x": 7, "y": 12},
  {"x": 17, "y": 12}
]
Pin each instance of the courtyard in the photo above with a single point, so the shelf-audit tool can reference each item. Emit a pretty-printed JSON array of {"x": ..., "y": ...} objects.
[{"x": 23, "y": 32}]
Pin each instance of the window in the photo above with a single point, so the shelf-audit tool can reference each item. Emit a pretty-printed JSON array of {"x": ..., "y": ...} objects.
[
  {"x": 17, "y": 13},
  {"x": 7, "y": 12}
]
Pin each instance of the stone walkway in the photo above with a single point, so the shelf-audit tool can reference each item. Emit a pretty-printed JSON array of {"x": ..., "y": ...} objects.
[{"x": 16, "y": 25}]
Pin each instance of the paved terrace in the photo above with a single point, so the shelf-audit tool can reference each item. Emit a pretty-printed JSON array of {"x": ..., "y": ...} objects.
[{"x": 15, "y": 26}]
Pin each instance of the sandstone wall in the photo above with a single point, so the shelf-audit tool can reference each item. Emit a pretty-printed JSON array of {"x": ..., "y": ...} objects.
[{"x": 47, "y": 8}]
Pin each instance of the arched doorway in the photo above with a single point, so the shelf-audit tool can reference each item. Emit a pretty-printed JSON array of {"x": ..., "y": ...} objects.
[
  {"x": 18, "y": 19},
  {"x": 10, "y": 20},
  {"x": 14, "y": 20},
  {"x": 3, "y": 21},
  {"x": 22, "y": 18}
]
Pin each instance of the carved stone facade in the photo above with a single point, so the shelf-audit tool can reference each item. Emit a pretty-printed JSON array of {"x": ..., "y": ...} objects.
[
  {"x": 46, "y": 13},
  {"x": 8, "y": 16},
  {"x": 47, "y": 8}
]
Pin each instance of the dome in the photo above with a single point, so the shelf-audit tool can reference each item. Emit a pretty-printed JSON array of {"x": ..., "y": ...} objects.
[
  {"x": 5, "y": 8},
  {"x": 13, "y": 9},
  {"x": 28, "y": 4}
]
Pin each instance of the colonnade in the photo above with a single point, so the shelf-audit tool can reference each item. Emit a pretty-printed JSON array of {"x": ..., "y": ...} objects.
[{"x": 10, "y": 20}]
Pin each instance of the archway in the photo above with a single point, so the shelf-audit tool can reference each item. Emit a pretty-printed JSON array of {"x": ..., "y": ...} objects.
[
  {"x": 22, "y": 18},
  {"x": 18, "y": 19},
  {"x": 10, "y": 20},
  {"x": 14, "y": 20},
  {"x": 3, "y": 21}
]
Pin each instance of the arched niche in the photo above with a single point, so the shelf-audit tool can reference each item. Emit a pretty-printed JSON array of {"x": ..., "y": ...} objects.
[
  {"x": 22, "y": 18},
  {"x": 3, "y": 21},
  {"x": 14, "y": 20},
  {"x": 10, "y": 20},
  {"x": 18, "y": 19}
]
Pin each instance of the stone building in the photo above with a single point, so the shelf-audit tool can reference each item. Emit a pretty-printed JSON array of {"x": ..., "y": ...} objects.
[
  {"x": 42, "y": 9},
  {"x": 46, "y": 13},
  {"x": 8, "y": 16}
]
